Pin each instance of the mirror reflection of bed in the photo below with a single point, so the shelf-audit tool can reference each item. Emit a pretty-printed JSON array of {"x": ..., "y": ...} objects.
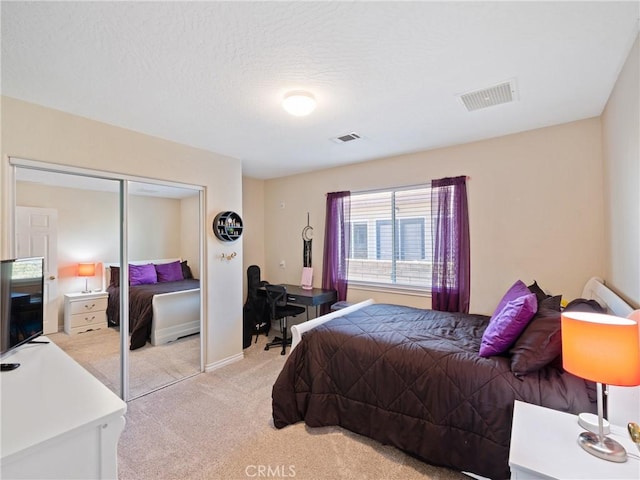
[
  {"x": 164, "y": 320},
  {"x": 163, "y": 223}
]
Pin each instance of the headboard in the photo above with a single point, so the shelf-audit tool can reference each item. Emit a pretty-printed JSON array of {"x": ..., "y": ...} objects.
[
  {"x": 623, "y": 402},
  {"x": 595, "y": 289},
  {"x": 106, "y": 267}
]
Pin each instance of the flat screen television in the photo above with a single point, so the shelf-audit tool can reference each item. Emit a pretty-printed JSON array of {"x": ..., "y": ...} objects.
[{"x": 21, "y": 307}]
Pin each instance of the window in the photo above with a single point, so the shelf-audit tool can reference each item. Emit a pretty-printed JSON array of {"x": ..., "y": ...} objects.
[
  {"x": 359, "y": 240},
  {"x": 391, "y": 237},
  {"x": 26, "y": 270}
]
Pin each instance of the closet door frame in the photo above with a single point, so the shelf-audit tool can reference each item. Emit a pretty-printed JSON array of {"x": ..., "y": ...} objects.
[{"x": 123, "y": 181}]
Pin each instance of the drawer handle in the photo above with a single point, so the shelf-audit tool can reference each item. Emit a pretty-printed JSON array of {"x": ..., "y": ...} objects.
[
  {"x": 292, "y": 299},
  {"x": 87, "y": 319},
  {"x": 89, "y": 307}
]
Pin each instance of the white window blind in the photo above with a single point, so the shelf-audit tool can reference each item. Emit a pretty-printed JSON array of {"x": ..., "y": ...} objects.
[{"x": 391, "y": 237}]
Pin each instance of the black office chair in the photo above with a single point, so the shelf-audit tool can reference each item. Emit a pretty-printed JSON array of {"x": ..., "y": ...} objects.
[
  {"x": 255, "y": 313},
  {"x": 280, "y": 310}
]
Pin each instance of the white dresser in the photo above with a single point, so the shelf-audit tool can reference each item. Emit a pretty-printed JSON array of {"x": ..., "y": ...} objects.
[
  {"x": 57, "y": 420},
  {"x": 85, "y": 311}
]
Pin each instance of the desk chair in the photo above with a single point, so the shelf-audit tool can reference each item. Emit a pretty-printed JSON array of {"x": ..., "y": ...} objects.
[
  {"x": 255, "y": 313},
  {"x": 280, "y": 310}
]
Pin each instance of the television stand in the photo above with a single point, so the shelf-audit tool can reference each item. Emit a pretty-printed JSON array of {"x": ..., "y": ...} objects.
[{"x": 57, "y": 420}]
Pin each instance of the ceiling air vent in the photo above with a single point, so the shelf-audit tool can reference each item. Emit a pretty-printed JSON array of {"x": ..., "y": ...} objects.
[
  {"x": 346, "y": 138},
  {"x": 487, "y": 97}
]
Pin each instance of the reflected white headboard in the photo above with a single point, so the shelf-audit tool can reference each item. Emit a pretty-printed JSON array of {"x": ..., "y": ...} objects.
[{"x": 623, "y": 402}]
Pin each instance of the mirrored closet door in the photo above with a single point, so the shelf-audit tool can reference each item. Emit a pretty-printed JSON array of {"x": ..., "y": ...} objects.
[
  {"x": 164, "y": 257},
  {"x": 160, "y": 227}
]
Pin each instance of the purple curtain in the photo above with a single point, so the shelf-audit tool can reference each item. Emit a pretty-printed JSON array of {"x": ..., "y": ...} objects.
[
  {"x": 336, "y": 245},
  {"x": 450, "y": 284}
]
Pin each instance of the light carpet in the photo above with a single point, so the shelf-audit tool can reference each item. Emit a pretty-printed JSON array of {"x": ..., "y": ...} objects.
[
  {"x": 150, "y": 367},
  {"x": 218, "y": 425}
]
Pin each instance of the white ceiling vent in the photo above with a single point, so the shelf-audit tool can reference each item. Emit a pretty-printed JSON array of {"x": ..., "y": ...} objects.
[
  {"x": 488, "y": 97},
  {"x": 348, "y": 137}
]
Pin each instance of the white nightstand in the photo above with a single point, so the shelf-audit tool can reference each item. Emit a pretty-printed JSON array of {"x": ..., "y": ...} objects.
[
  {"x": 544, "y": 445},
  {"x": 85, "y": 311}
]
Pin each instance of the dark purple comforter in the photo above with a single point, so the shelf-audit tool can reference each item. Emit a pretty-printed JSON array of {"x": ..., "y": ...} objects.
[
  {"x": 413, "y": 378},
  {"x": 140, "y": 307}
]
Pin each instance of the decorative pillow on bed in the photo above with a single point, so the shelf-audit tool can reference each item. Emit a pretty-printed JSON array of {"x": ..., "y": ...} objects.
[
  {"x": 169, "y": 272},
  {"x": 540, "y": 343},
  {"x": 551, "y": 303},
  {"x": 142, "y": 274},
  {"x": 584, "y": 305},
  {"x": 540, "y": 293},
  {"x": 114, "y": 276},
  {"x": 506, "y": 325},
  {"x": 186, "y": 270},
  {"x": 516, "y": 290}
]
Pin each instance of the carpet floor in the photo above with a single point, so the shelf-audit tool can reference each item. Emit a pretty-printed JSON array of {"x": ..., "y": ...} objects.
[
  {"x": 150, "y": 367},
  {"x": 218, "y": 425}
]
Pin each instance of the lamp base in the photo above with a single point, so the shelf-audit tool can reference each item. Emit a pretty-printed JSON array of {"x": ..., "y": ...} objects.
[
  {"x": 86, "y": 286},
  {"x": 608, "y": 449},
  {"x": 589, "y": 422}
]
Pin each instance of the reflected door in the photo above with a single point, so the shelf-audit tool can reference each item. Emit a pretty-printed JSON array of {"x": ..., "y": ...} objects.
[{"x": 37, "y": 236}]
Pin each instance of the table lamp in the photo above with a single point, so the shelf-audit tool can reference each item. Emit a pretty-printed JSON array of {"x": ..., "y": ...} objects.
[
  {"x": 86, "y": 270},
  {"x": 604, "y": 349}
]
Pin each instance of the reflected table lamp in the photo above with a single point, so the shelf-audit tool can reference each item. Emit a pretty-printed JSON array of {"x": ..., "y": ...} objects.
[
  {"x": 604, "y": 349},
  {"x": 86, "y": 270}
]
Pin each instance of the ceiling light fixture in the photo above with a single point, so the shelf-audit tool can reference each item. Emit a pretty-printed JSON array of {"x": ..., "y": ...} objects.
[{"x": 299, "y": 103}]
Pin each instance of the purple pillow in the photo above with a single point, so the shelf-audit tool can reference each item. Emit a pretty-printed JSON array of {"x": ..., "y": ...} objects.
[
  {"x": 516, "y": 290},
  {"x": 142, "y": 274},
  {"x": 507, "y": 325},
  {"x": 169, "y": 272},
  {"x": 540, "y": 343}
]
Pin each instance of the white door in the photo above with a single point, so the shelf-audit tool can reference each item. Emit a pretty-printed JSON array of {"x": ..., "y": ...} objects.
[{"x": 37, "y": 236}]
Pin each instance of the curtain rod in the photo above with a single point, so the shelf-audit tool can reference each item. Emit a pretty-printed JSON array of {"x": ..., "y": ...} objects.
[{"x": 404, "y": 187}]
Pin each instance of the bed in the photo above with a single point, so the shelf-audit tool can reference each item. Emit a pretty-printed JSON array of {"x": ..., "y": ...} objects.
[
  {"x": 413, "y": 379},
  {"x": 160, "y": 312}
]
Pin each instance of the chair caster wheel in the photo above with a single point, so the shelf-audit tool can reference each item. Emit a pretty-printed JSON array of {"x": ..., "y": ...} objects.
[
  {"x": 281, "y": 353},
  {"x": 267, "y": 347}
]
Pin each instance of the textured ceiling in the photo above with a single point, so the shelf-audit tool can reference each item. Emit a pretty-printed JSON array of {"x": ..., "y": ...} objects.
[{"x": 212, "y": 74}]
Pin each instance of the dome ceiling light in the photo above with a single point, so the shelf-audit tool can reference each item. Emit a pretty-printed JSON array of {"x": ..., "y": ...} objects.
[{"x": 299, "y": 103}]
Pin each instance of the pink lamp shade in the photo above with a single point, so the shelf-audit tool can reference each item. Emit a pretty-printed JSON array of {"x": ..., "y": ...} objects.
[
  {"x": 601, "y": 348},
  {"x": 86, "y": 269}
]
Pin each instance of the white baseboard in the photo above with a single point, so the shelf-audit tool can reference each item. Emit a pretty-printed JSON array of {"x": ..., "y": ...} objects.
[{"x": 225, "y": 361}]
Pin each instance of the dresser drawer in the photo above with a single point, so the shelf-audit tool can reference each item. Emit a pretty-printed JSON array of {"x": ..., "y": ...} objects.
[
  {"x": 87, "y": 305},
  {"x": 88, "y": 319}
]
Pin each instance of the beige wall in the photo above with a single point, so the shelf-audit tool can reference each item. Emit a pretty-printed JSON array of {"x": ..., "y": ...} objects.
[
  {"x": 189, "y": 235},
  {"x": 38, "y": 133},
  {"x": 153, "y": 228},
  {"x": 88, "y": 229},
  {"x": 253, "y": 234},
  {"x": 535, "y": 202},
  {"x": 621, "y": 149}
]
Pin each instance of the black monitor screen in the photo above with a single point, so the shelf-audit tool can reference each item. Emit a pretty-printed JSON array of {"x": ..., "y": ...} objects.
[{"x": 21, "y": 306}]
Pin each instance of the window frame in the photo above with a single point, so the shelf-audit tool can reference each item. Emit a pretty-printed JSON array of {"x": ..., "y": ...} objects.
[{"x": 399, "y": 251}]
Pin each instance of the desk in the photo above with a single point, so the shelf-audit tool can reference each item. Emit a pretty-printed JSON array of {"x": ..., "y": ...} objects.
[{"x": 308, "y": 298}]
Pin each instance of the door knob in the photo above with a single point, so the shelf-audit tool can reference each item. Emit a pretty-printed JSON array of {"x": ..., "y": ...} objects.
[{"x": 52, "y": 277}]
